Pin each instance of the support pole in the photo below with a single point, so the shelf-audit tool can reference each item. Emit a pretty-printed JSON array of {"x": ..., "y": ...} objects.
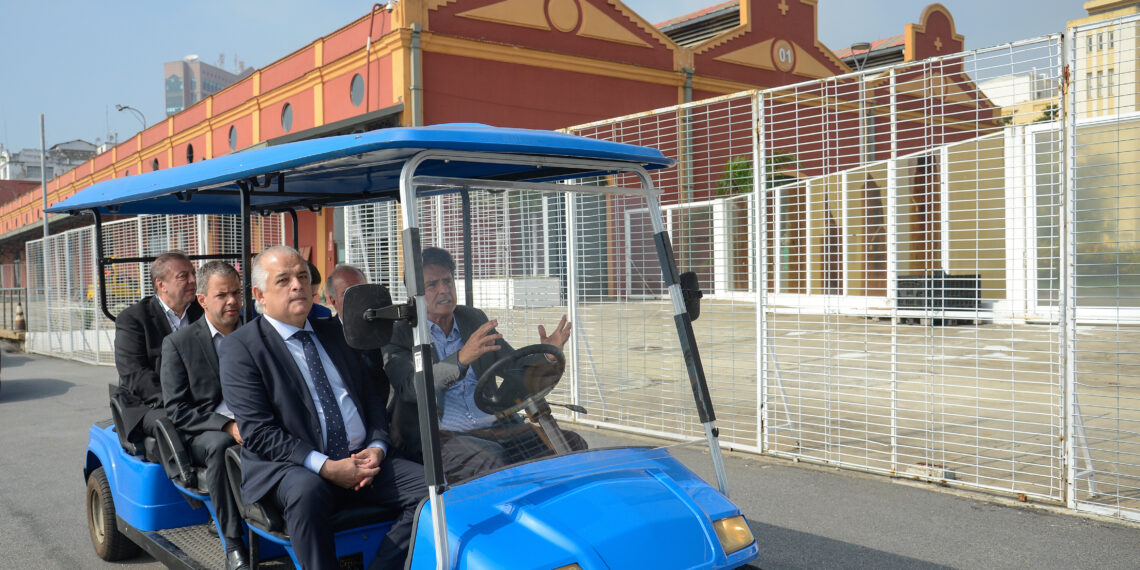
[
  {"x": 468, "y": 262},
  {"x": 246, "y": 245},
  {"x": 43, "y": 175}
]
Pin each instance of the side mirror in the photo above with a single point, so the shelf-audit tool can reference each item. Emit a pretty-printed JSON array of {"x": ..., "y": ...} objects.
[
  {"x": 691, "y": 292},
  {"x": 368, "y": 314}
]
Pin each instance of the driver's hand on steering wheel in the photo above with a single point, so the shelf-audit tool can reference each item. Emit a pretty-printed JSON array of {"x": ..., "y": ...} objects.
[
  {"x": 479, "y": 343},
  {"x": 559, "y": 337}
]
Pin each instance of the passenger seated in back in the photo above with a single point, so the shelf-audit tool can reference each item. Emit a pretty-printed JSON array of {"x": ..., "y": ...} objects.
[
  {"x": 192, "y": 390},
  {"x": 139, "y": 331},
  {"x": 318, "y": 311},
  {"x": 339, "y": 281}
]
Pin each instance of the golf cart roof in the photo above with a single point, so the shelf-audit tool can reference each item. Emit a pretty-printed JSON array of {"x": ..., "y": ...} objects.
[{"x": 350, "y": 169}]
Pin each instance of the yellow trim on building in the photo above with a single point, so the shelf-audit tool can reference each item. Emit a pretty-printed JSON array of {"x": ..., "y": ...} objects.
[{"x": 448, "y": 45}]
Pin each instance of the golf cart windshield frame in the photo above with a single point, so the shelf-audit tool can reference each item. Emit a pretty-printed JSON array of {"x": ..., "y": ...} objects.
[
  {"x": 414, "y": 282},
  {"x": 405, "y": 174}
]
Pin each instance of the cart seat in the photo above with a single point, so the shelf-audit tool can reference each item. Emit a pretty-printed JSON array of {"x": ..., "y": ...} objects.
[{"x": 147, "y": 449}]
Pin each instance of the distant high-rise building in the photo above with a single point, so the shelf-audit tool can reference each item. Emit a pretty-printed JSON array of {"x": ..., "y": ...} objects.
[{"x": 189, "y": 80}]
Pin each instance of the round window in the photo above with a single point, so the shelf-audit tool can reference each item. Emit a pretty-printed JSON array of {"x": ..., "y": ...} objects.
[
  {"x": 233, "y": 137},
  {"x": 154, "y": 165},
  {"x": 287, "y": 117},
  {"x": 189, "y": 153},
  {"x": 356, "y": 90}
]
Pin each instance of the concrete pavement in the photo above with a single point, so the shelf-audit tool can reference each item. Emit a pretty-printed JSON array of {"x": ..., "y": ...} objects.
[{"x": 804, "y": 516}]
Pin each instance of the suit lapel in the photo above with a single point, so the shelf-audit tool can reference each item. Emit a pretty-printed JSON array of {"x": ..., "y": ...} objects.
[
  {"x": 158, "y": 316},
  {"x": 205, "y": 343},
  {"x": 467, "y": 325},
  {"x": 292, "y": 377}
]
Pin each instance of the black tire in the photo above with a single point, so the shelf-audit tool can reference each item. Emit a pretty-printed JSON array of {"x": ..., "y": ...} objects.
[{"x": 109, "y": 543}]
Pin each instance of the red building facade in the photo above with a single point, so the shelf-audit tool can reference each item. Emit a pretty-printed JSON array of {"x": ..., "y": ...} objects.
[{"x": 520, "y": 63}]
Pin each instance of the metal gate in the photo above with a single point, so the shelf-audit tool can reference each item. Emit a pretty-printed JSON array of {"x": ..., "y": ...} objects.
[{"x": 1102, "y": 253}]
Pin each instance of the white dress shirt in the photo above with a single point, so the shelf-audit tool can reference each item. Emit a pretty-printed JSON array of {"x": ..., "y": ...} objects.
[
  {"x": 217, "y": 336},
  {"x": 353, "y": 423},
  {"x": 176, "y": 321}
]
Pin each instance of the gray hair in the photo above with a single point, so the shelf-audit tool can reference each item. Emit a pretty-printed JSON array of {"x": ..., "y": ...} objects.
[
  {"x": 210, "y": 269},
  {"x": 258, "y": 274},
  {"x": 160, "y": 268},
  {"x": 338, "y": 275}
]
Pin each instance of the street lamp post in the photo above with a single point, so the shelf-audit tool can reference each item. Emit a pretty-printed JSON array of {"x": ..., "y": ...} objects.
[{"x": 141, "y": 117}]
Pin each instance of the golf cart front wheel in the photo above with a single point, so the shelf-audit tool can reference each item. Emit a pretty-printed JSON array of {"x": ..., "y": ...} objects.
[{"x": 109, "y": 543}]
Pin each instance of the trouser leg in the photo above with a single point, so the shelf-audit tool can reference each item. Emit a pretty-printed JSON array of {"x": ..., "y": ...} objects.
[
  {"x": 400, "y": 487},
  {"x": 467, "y": 456},
  {"x": 150, "y": 420},
  {"x": 528, "y": 444},
  {"x": 307, "y": 501},
  {"x": 209, "y": 449}
]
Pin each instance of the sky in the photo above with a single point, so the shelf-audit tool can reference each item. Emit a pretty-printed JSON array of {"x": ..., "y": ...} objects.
[{"x": 75, "y": 60}]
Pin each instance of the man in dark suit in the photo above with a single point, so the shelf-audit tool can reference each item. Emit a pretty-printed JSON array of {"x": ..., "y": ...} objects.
[
  {"x": 139, "y": 331},
  {"x": 192, "y": 391},
  {"x": 466, "y": 344},
  {"x": 315, "y": 432},
  {"x": 342, "y": 277}
]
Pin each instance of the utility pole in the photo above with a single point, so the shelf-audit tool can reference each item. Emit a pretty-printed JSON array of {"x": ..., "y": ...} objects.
[{"x": 43, "y": 176}]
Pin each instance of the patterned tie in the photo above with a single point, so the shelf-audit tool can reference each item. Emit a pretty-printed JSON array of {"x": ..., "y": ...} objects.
[{"x": 335, "y": 438}]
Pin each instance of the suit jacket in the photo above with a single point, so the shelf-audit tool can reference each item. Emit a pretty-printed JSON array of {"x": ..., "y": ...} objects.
[
  {"x": 139, "y": 331},
  {"x": 374, "y": 359},
  {"x": 191, "y": 384},
  {"x": 401, "y": 371},
  {"x": 276, "y": 416}
]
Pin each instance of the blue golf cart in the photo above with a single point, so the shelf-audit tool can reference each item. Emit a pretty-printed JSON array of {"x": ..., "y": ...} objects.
[{"x": 603, "y": 507}]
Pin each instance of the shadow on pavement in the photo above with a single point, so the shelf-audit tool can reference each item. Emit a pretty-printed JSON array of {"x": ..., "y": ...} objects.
[
  {"x": 32, "y": 389},
  {"x": 14, "y": 360},
  {"x": 782, "y": 548}
]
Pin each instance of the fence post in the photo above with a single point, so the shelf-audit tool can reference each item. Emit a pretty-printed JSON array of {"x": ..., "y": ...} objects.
[
  {"x": 578, "y": 332},
  {"x": 1068, "y": 268},
  {"x": 760, "y": 199},
  {"x": 894, "y": 118}
]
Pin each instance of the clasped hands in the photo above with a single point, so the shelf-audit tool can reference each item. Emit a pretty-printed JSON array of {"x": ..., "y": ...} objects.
[{"x": 356, "y": 471}]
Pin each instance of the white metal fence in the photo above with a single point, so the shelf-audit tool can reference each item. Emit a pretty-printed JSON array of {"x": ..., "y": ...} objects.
[
  {"x": 63, "y": 315},
  {"x": 1101, "y": 296},
  {"x": 925, "y": 313},
  {"x": 945, "y": 255}
]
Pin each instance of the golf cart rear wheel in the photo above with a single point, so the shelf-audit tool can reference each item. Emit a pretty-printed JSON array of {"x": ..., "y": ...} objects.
[{"x": 109, "y": 543}]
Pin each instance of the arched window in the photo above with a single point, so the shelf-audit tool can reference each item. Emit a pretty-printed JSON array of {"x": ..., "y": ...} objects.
[{"x": 287, "y": 117}]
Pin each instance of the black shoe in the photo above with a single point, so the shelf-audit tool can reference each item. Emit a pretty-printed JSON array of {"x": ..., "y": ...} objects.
[
  {"x": 212, "y": 528},
  {"x": 237, "y": 559}
]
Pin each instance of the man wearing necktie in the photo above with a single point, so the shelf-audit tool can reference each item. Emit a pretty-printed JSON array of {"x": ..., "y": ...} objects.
[{"x": 314, "y": 428}]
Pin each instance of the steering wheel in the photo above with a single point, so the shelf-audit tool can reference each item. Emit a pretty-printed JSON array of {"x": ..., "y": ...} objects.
[{"x": 523, "y": 382}]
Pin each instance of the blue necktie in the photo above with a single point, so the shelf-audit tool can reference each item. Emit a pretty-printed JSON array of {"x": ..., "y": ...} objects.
[{"x": 336, "y": 442}]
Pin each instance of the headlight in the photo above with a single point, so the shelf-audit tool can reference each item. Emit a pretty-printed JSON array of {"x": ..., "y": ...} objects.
[{"x": 733, "y": 533}]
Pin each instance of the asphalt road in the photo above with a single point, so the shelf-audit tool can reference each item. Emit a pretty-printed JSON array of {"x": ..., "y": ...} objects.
[{"x": 804, "y": 516}]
